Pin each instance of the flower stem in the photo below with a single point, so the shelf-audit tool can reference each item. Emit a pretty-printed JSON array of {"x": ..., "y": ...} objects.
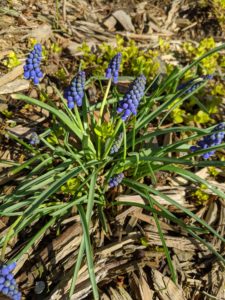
[
  {"x": 101, "y": 113},
  {"x": 78, "y": 118},
  {"x": 104, "y": 101},
  {"x": 124, "y": 142}
]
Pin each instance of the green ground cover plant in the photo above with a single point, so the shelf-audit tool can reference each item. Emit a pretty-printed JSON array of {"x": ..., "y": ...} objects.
[
  {"x": 92, "y": 148},
  {"x": 201, "y": 106}
]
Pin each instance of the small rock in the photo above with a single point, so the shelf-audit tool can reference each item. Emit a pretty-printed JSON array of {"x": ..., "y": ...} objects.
[
  {"x": 34, "y": 94},
  {"x": 49, "y": 90},
  {"x": 39, "y": 287}
]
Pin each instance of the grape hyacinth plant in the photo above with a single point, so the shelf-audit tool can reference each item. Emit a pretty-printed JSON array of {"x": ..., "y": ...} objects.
[
  {"x": 8, "y": 286},
  {"x": 75, "y": 92},
  {"x": 113, "y": 68},
  {"x": 32, "y": 66},
  {"x": 129, "y": 104},
  {"x": 85, "y": 153},
  {"x": 211, "y": 140}
]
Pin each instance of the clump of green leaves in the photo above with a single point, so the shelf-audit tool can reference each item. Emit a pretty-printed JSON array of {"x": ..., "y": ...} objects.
[
  {"x": 200, "y": 195},
  {"x": 203, "y": 104},
  {"x": 135, "y": 61},
  {"x": 219, "y": 10},
  {"x": 11, "y": 61},
  {"x": 71, "y": 186},
  {"x": 209, "y": 64}
]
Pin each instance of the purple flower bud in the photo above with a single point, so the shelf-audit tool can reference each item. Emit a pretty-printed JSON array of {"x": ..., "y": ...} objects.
[
  {"x": 129, "y": 104},
  {"x": 115, "y": 148},
  {"x": 8, "y": 284},
  {"x": 116, "y": 180},
  {"x": 195, "y": 84},
  {"x": 113, "y": 68},
  {"x": 75, "y": 92},
  {"x": 210, "y": 140},
  {"x": 34, "y": 139},
  {"x": 31, "y": 68},
  {"x": 2, "y": 279}
]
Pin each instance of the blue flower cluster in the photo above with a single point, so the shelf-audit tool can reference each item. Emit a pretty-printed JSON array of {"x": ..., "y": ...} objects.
[
  {"x": 195, "y": 85},
  {"x": 113, "y": 69},
  {"x": 75, "y": 92},
  {"x": 129, "y": 104},
  {"x": 210, "y": 140},
  {"x": 32, "y": 66},
  {"x": 115, "y": 148},
  {"x": 116, "y": 180},
  {"x": 8, "y": 284},
  {"x": 34, "y": 139}
]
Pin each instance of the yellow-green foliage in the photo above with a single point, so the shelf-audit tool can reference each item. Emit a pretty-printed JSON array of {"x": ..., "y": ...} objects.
[
  {"x": 178, "y": 115},
  {"x": 200, "y": 195},
  {"x": 105, "y": 130},
  {"x": 61, "y": 75},
  {"x": 211, "y": 96},
  {"x": 209, "y": 64},
  {"x": 70, "y": 186},
  {"x": 55, "y": 48},
  {"x": 11, "y": 61},
  {"x": 219, "y": 10},
  {"x": 213, "y": 171},
  {"x": 7, "y": 113},
  {"x": 134, "y": 60},
  {"x": 53, "y": 137}
]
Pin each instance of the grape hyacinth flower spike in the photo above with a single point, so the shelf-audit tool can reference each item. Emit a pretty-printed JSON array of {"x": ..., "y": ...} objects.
[
  {"x": 113, "y": 68},
  {"x": 34, "y": 139},
  {"x": 116, "y": 146},
  {"x": 75, "y": 92},
  {"x": 195, "y": 85},
  {"x": 8, "y": 286},
  {"x": 116, "y": 180},
  {"x": 211, "y": 140},
  {"x": 129, "y": 104},
  {"x": 32, "y": 66}
]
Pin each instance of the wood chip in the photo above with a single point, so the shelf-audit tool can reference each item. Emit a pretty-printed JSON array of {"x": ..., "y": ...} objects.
[
  {"x": 175, "y": 193},
  {"x": 124, "y": 19},
  {"x": 165, "y": 287},
  {"x": 15, "y": 86},
  {"x": 110, "y": 23},
  {"x": 10, "y": 76},
  {"x": 41, "y": 33},
  {"x": 179, "y": 242}
]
